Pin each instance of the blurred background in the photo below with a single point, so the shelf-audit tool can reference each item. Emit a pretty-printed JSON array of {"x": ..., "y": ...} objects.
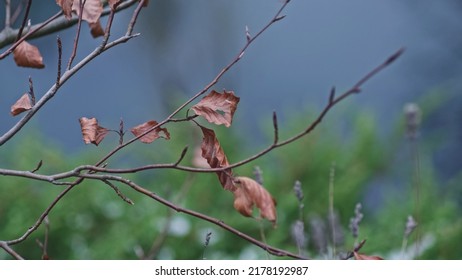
[{"x": 363, "y": 142}]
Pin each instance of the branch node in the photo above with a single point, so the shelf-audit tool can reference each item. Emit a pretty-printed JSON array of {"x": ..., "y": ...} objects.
[{"x": 279, "y": 17}]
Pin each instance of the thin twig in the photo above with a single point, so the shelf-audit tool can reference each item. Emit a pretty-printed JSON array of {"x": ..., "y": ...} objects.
[
  {"x": 30, "y": 114},
  {"x": 31, "y": 91},
  {"x": 356, "y": 249},
  {"x": 7, "y": 13},
  {"x": 198, "y": 94},
  {"x": 44, "y": 245},
  {"x": 331, "y": 208},
  {"x": 107, "y": 31},
  {"x": 17, "y": 12},
  {"x": 160, "y": 240},
  {"x": 60, "y": 56},
  {"x": 311, "y": 127},
  {"x": 275, "y": 128},
  {"x": 132, "y": 23},
  {"x": 29, "y": 34},
  {"x": 56, "y": 23},
  {"x": 44, "y": 214},
  {"x": 24, "y": 21},
  {"x": 10, "y": 251},
  {"x": 77, "y": 34},
  {"x": 272, "y": 250},
  {"x": 54, "y": 89},
  {"x": 118, "y": 192},
  {"x": 39, "y": 165}
]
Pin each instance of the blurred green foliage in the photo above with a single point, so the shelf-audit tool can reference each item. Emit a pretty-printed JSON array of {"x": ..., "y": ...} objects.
[{"x": 92, "y": 222}]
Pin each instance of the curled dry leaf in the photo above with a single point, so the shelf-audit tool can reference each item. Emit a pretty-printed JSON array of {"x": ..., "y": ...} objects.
[
  {"x": 96, "y": 29},
  {"x": 91, "y": 10},
  {"x": 359, "y": 256},
  {"x": 66, "y": 6},
  {"x": 23, "y": 104},
  {"x": 91, "y": 131},
  {"x": 217, "y": 108},
  {"x": 27, "y": 55},
  {"x": 249, "y": 193},
  {"x": 152, "y": 135},
  {"x": 216, "y": 158}
]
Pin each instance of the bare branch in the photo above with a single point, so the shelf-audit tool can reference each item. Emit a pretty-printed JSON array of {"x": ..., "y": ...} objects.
[
  {"x": 56, "y": 23},
  {"x": 29, "y": 34},
  {"x": 118, "y": 192},
  {"x": 10, "y": 251},
  {"x": 44, "y": 245},
  {"x": 53, "y": 90},
  {"x": 198, "y": 94},
  {"x": 44, "y": 214},
  {"x": 272, "y": 250}
]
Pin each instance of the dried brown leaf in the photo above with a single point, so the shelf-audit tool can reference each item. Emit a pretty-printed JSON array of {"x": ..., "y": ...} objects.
[
  {"x": 216, "y": 158},
  {"x": 91, "y": 131},
  {"x": 359, "y": 256},
  {"x": 96, "y": 29},
  {"x": 249, "y": 193},
  {"x": 27, "y": 55},
  {"x": 217, "y": 108},
  {"x": 91, "y": 10},
  {"x": 66, "y": 6},
  {"x": 152, "y": 135},
  {"x": 23, "y": 104}
]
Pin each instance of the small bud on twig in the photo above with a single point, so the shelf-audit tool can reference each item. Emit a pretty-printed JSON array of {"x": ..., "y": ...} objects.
[{"x": 247, "y": 34}]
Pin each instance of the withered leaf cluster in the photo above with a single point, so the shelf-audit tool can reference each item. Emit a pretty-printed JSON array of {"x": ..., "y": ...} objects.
[
  {"x": 146, "y": 132},
  {"x": 28, "y": 55},
  {"x": 219, "y": 108}
]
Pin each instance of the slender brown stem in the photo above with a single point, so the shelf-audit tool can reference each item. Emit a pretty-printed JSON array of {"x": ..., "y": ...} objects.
[
  {"x": 201, "y": 92},
  {"x": 24, "y": 21},
  {"x": 29, "y": 34},
  {"x": 77, "y": 34},
  {"x": 271, "y": 250},
  {"x": 60, "y": 58},
  {"x": 58, "y": 23}
]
